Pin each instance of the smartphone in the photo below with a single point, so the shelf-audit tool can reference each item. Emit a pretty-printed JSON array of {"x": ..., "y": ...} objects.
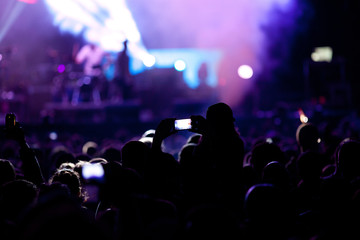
[
  {"x": 10, "y": 120},
  {"x": 182, "y": 124},
  {"x": 93, "y": 172}
]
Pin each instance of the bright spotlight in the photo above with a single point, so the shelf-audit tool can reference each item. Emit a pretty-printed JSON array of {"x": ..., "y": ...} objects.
[
  {"x": 179, "y": 65},
  {"x": 149, "y": 60},
  {"x": 245, "y": 71}
]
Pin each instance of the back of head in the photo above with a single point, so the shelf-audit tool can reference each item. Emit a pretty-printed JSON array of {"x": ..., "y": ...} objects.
[
  {"x": 307, "y": 136},
  {"x": 276, "y": 174},
  {"x": 348, "y": 158},
  {"x": 186, "y": 155},
  {"x": 70, "y": 178},
  {"x": 195, "y": 138},
  {"x": 111, "y": 154},
  {"x": 220, "y": 114},
  {"x": 120, "y": 183},
  {"x": 16, "y": 197},
  {"x": 90, "y": 148},
  {"x": 134, "y": 155},
  {"x": 7, "y": 171},
  {"x": 266, "y": 207},
  {"x": 264, "y": 153}
]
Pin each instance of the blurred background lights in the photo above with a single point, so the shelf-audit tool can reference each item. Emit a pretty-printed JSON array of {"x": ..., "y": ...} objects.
[
  {"x": 107, "y": 23},
  {"x": 149, "y": 60},
  {"x": 179, "y": 65},
  {"x": 53, "y": 136},
  {"x": 245, "y": 72},
  {"x": 61, "y": 68}
]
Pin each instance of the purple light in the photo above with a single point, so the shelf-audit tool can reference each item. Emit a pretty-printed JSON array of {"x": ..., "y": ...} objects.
[
  {"x": 28, "y": 1},
  {"x": 61, "y": 68}
]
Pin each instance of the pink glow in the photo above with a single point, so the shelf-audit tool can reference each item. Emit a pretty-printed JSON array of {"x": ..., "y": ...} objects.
[
  {"x": 233, "y": 26},
  {"x": 28, "y": 1}
]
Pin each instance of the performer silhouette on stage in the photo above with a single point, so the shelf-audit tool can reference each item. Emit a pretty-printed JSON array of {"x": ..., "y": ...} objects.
[
  {"x": 123, "y": 82},
  {"x": 91, "y": 56}
]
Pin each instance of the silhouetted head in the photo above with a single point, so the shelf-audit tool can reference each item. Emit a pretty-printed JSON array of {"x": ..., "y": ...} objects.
[
  {"x": 7, "y": 171},
  {"x": 348, "y": 158},
  {"x": 16, "y": 197},
  {"x": 276, "y": 174},
  {"x": 265, "y": 204},
  {"x": 195, "y": 138},
  {"x": 220, "y": 113},
  {"x": 71, "y": 179},
  {"x": 120, "y": 184},
  {"x": 264, "y": 153},
  {"x": 186, "y": 155},
  {"x": 90, "y": 148},
  {"x": 134, "y": 155},
  {"x": 307, "y": 136},
  {"x": 111, "y": 154},
  {"x": 149, "y": 133}
]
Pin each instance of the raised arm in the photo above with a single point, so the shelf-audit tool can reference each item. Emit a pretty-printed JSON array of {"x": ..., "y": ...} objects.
[{"x": 30, "y": 165}]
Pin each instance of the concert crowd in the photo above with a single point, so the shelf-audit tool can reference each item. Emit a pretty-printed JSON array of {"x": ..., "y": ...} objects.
[{"x": 218, "y": 184}]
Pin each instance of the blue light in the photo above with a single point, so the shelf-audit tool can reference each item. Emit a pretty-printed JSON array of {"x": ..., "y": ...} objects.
[{"x": 165, "y": 58}]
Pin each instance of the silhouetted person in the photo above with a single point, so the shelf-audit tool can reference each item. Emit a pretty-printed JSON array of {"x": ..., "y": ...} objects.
[
  {"x": 123, "y": 85},
  {"x": 217, "y": 157},
  {"x": 91, "y": 56}
]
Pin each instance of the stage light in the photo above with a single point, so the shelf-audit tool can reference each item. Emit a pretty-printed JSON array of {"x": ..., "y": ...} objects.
[
  {"x": 1, "y": 57},
  {"x": 61, "y": 68},
  {"x": 179, "y": 65},
  {"x": 106, "y": 23},
  {"x": 149, "y": 60},
  {"x": 245, "y": 72}
]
